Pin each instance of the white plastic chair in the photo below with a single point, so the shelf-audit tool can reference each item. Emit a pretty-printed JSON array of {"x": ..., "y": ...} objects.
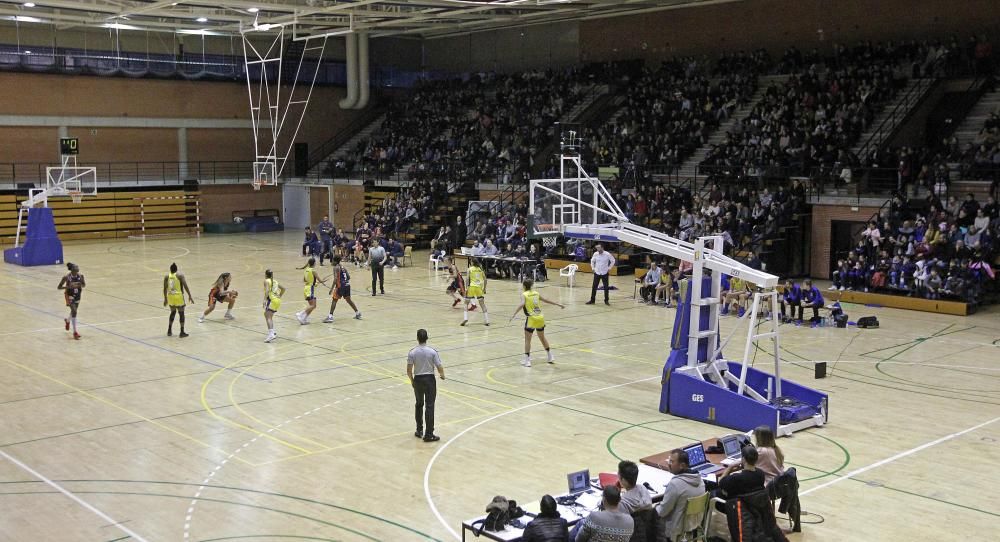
[
  {"x": 569, "y": 272},
  {"x": 434, "y": 263}
]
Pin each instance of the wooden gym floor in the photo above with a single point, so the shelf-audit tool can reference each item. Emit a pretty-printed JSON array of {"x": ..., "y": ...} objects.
[{"x": 219, "y": 436}]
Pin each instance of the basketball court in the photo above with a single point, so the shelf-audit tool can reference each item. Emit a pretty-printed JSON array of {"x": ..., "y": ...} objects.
[{"x": 220, "y": 436}]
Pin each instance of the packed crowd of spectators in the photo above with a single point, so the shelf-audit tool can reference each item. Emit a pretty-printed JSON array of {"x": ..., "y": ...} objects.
[
  {"x": 487, "y": 127},
  {"x": 934, "y": 249},
  {"x": 669, "y": 112}
]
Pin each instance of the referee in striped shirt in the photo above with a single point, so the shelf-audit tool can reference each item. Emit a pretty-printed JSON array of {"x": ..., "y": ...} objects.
[{"x": 420, "y": 365}]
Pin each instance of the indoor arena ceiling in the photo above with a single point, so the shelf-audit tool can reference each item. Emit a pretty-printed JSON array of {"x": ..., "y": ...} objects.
[{"x": 424, "y": 18}]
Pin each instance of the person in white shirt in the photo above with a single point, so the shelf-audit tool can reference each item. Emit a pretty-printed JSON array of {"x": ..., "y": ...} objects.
[
  {"x": 477, "y": 249},
  {"x": 601, "y": 263},
  {"x": 489, "y": 249},
  {"x": 649, "y": 283}
]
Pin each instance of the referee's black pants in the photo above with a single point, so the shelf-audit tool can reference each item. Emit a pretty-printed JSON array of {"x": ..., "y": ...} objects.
[
  {"x": 378, "y": 274},
  {"x": 425, "y": 391},
  {"x": 593, "y": 289}
]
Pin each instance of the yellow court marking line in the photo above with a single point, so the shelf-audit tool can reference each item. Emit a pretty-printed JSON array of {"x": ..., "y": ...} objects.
[
  {"x": 489, "y": 374},
  {"x": 308, "y": 343},
  {"x": 616, "y": 356},
  {"x": 123, "y": 409},
  {"x": 375, "y": 439},
  {"x": 452, "y": 394},
  {"x": 208, "y": 409}
]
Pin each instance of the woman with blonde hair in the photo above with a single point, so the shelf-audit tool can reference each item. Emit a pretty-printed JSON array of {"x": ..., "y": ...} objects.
[{"x": 770, "y": 461}]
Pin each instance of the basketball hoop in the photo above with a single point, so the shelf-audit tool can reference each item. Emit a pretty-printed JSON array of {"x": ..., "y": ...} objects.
[
  {"x": 76, "y": 196},
  {"x": 549, "y": 241},
  {"x": 256, "y": 185}
]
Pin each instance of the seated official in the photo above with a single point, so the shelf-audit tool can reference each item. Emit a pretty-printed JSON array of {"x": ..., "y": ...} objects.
[
  {"x": 634, "y": 497},
  {"x": 609, "y": 524},
  {"x": 548, "y": 526},
  {"x": 489, "y": 249},
  {"x": 770, "y": 459},
  {"x": 741, "y": 479},
  {"x": 685, "y": 484},
  {"x": 311, "y": 245}
]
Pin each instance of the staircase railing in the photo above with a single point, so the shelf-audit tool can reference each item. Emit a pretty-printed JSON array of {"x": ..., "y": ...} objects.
[
  {"x": 325, "y": 149},
  {"x": 904, "y": 105}
]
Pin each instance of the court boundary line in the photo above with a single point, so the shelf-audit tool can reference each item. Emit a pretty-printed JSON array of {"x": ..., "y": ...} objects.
[
  {"x": 111, "y": 521},
  {"x": 433, "y": 459},
  {"x": 898, "y": 456}
]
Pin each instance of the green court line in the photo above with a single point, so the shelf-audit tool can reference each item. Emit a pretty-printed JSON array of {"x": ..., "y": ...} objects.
[
  {"x": 876, "y": 384},
  {"x": 203, "y": 499},
  {"x": 242, "y": 489},
  {"x": 824, "y": 473}
]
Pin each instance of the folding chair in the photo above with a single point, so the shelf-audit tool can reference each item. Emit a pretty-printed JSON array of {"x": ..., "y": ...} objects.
[
  {"x": 570, "y": 273},
  {"x": 407, "y": 253},
  {"x": 694, "y": 525}
]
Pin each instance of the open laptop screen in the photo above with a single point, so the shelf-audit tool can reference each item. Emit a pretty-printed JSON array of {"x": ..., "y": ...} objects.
[
  {"x": 578, "y": 481},
  {"x": 696, "y": 454},
  {"x": 731, "y": 446}
]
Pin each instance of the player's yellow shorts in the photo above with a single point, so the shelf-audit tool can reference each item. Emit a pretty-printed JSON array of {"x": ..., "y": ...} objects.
[
  {"x": 474, "y": 291},
  {"x": 534, "y": 322},
  {"x": 272, "y": 304}
]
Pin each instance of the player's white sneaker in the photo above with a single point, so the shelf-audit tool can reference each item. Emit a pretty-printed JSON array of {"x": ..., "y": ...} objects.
[
  {"x": 357, "y": 315},
  {"x": 271, "y": 336},
  {"x": 229, "y": 316},
  {"x": 201, "y": 319},
  {"x": 526, "y": 361},
  {"x": 552, "y": 357},
  {"x": 328, "y": 319}
]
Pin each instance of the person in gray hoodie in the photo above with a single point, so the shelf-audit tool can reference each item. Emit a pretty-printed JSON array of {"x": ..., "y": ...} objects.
[{"x": 685, "y": 484}]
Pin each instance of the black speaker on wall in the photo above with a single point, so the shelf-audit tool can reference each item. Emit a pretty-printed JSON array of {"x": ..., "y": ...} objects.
[{"x": 301, "y": 159}]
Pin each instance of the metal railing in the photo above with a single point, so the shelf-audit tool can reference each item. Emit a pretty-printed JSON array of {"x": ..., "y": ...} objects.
[
  {"x": 126, "y": 173},
  {"x": 319, "y": 155},
  {"x": 900, "y": 111}
]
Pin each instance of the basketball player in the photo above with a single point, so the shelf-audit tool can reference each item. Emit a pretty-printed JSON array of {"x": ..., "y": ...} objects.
[
  {"x": 72, "y": 285},
  {"x": 309, "y": 291},
  {"x": 272, "y": 302},
  {"x": 220, "y": 292},
  {"x": 536, "y": 321},
  {"x": 341, "y": 289},
  {"x": 476, "y": 291},
  {"x": 174, "y": 286},
  {"x": 457, "y": 287}
]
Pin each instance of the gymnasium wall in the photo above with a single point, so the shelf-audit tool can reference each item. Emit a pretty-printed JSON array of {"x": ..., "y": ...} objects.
[
  {"x": 216, "y": 116},
  {"x": 219, "y": 201},
  {"x": 348, "y": 200},
  {"x": 822, "y": 227},
  {"x": 774, "y": 24}
]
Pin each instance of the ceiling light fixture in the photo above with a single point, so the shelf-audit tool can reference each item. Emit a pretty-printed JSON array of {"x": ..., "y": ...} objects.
[
  {"x": 29, "y": 4},
  {"x": 253, "y": 10},
  {"x": 201, "y": 20}
]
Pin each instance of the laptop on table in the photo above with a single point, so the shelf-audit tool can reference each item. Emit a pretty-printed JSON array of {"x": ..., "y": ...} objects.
[
  {"x": 579, "y": 482},
  {"x": 732, "y": 447},
  {"x": 698, "y": 462}
]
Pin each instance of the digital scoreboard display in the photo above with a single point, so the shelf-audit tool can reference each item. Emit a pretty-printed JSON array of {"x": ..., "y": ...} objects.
[{"x": 69, "y": 145}]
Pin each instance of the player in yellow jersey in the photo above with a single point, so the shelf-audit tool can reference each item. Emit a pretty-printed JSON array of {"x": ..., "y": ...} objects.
[
  {"x": 532, "y": 308},
  {"x": 309, "y": 291},
  {"x": 476, "y": 291},
  {"x": 272, "y": 301},
  {"x": 174, "y": 286}
]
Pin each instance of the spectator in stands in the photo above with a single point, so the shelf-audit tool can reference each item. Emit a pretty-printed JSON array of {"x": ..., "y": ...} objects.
[{"x": 685, "y": 484}]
